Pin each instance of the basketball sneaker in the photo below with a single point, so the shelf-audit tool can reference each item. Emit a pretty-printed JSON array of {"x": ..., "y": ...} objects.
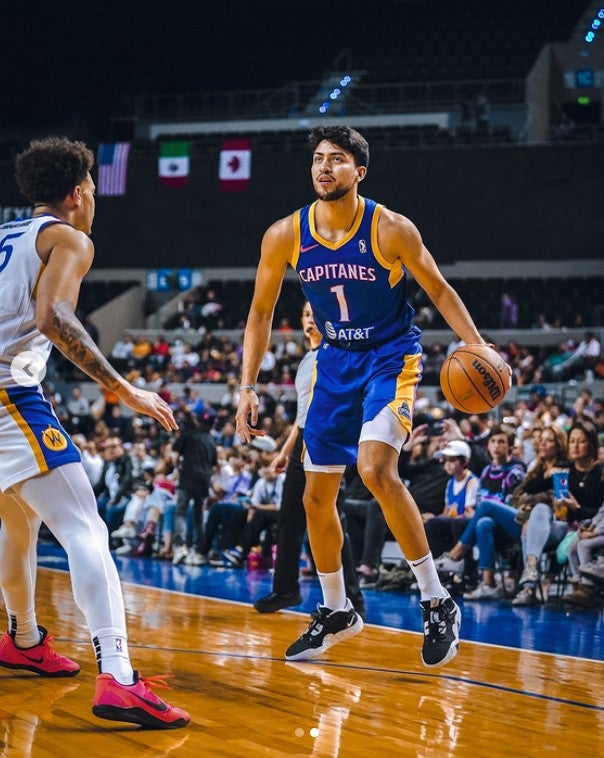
[
  {"x": 442, "y": 619},
  {"x": 325, "y": 630},
  {"x": 41, "y": 659},
  {"x": 135, "y": 703}
]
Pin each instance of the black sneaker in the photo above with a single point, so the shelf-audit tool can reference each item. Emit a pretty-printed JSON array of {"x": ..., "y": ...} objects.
[
  {"x": 276, "y": 601},
  {"x": 233, "y": 557},
  {"x": 328, "y": 628},
  {"x": 442, "y": 619}
]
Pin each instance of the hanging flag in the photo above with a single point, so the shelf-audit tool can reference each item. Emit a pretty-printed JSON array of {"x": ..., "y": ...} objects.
[
  {"x": 235, "y": 165},
  {"x": 174, "y": 164},
  {"x": 113, "y": 167}
]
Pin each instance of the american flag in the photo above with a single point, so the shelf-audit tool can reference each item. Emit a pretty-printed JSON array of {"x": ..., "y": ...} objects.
[{"x": 113, "y": 166}]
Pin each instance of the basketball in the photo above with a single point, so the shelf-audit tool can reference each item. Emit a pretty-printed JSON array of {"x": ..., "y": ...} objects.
[{"x": 474, "y": 378}]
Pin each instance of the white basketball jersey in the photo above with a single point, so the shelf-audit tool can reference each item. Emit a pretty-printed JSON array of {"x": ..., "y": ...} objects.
[{"x": 20, "y": 269}]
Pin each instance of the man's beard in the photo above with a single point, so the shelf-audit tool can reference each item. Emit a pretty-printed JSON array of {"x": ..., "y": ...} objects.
[{"x": 336, "y": 193}]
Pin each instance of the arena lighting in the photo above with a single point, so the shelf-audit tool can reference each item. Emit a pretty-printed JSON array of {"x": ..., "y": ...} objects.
[
  {"x": 335, "y": 93},
  {"x": 595, "y": 26}
]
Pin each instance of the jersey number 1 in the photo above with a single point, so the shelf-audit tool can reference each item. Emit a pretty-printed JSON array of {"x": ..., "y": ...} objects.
[{"x": 338, "y": 291}]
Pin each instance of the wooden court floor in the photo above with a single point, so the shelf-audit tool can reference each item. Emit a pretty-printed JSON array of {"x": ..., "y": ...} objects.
[{"x": 367, "y": 697}]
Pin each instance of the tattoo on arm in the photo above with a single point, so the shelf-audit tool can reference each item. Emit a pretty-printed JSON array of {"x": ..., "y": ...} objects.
[{"x": 76, "y": 344}]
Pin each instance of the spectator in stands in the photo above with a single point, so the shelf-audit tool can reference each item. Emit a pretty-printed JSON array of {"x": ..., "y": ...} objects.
[
  {"x": 548, "y": 525},
  {"x": 421, "y": 471},
  {"x": 209, "y": 311},
  {"x": 542, "y": 323},
  {"x": 445, "y": 529},
  {"x": 114, "y": 487},
  {"x": 454, "y": 344},
  {"x": 141, "y": 350},
  {"x": 121, "y": 354},
  {"x": 78, "y": 408},
  {"x": 263, "y": 510},
  {"x": 492, "y": 527},
  {"x": 196, "y": 449},
  {"x": 584, "y": 359},
  {"x": 225, "y": 435},
  {"x": 588, "y": 542},
  {"x": 183, "y": 361},
  {"x": 508, "y": 316},
  {"x": 92, "y": 460},
  {"x": 160, "y": 351},
  {"x": 550, "y": 366},
  {"x": 432, "y": 361},
  {"x": 231, "y": 397},
  {"x": 474, "y": 430},
  {"x": 124, "y": 537},
  {"x": 141, "y": 460},
  {"x": 226, "y": 518},
  {"x": 119, "y": 424},
  {"x": 366, "y": 527}
]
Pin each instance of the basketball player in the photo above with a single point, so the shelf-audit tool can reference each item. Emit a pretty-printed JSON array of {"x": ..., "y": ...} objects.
[
  {"x": 42, "y": 263},
  {"x": 351, "y": 256}
]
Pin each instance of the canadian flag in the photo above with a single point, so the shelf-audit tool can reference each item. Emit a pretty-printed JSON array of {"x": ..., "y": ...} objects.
[{"x": 235, "y": 165}]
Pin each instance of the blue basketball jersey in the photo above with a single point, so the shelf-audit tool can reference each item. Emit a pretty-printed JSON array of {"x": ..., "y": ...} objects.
[{"x": 359, "y": 300}]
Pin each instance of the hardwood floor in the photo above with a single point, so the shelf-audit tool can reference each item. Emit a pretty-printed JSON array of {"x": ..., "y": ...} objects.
[{"x": 369, "y": 696}]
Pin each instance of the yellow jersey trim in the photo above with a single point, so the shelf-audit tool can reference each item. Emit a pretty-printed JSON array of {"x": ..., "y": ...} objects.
[
  {"x": 26, "y": 429},
  {"x": 34, "y": 294},
  {"x": 349, "y": 234},
  {"x": 396, "y": 268},
  {"x": 297, "y": 237}
]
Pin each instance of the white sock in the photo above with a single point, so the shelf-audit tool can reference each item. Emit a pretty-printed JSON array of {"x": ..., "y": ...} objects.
[
  {"x": 24, "y": 627},
  {"x": 111, "y": 650},
  {"x": 428, "y": 582},
  {"x": 334, "y": 592}
]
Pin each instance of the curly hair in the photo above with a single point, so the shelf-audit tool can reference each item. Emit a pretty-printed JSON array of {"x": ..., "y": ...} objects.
[
  {"x": 49, "y": 169},
  {"x": 342, "y": 136}
]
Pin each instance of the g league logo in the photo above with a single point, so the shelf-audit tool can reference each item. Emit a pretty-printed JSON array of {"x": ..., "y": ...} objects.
[{"x": 362, "y": 246}]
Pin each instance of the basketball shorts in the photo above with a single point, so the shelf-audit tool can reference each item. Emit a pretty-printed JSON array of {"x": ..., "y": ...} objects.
[
  {"x": 32, "y": 441},
  {"x": 351, "y": 387}
]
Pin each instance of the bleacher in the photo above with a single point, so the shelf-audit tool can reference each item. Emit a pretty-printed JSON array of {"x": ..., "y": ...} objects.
[{"x": 571, "y": 302}]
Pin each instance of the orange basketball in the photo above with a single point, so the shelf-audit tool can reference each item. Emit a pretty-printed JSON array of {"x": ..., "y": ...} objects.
[{"x": 474, "y": 378}]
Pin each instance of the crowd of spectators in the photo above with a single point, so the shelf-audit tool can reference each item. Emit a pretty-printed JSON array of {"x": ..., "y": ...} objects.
[
  {"x": 139, "y": 471},
  {"x": 214, "y": 358},
  {"x": 193, "y": 496}
]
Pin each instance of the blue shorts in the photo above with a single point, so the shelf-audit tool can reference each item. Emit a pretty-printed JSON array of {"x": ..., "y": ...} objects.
[
  {"x": 351, "y": 387},
  {"x": 32, "y": 441}
]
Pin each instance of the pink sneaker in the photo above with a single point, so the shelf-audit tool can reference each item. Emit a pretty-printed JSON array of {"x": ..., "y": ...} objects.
[
  {"x": 41, "y": 659},
  {"x": 135, "y": 703}
]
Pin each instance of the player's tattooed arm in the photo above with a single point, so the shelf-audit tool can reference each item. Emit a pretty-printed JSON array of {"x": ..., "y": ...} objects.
[{"x": 72, "y": 339}]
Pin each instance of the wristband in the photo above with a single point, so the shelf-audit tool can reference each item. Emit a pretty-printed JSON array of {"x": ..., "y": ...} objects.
[{"x": 248, "y": 387}]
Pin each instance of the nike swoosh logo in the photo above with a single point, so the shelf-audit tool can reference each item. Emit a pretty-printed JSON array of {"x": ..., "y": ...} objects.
[
  {"x": 306, "y": 249},
  {"x": 161, "y": 706},
  {"x": 30, "y": 658}
]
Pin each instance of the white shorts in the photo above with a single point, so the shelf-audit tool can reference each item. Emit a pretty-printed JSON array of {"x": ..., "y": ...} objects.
[
  {"x": 32, "y": 441},
  {"x": 385, "y": 427}
]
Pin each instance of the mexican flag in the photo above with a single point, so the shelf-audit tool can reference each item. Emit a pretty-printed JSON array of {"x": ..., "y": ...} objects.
[
  {"x": 174, "y": 164},
  {"x": 235, "y": 165}
]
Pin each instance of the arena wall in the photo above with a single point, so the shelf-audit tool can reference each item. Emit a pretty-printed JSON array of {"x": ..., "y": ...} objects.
[{"x": 488, "y": 203}]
